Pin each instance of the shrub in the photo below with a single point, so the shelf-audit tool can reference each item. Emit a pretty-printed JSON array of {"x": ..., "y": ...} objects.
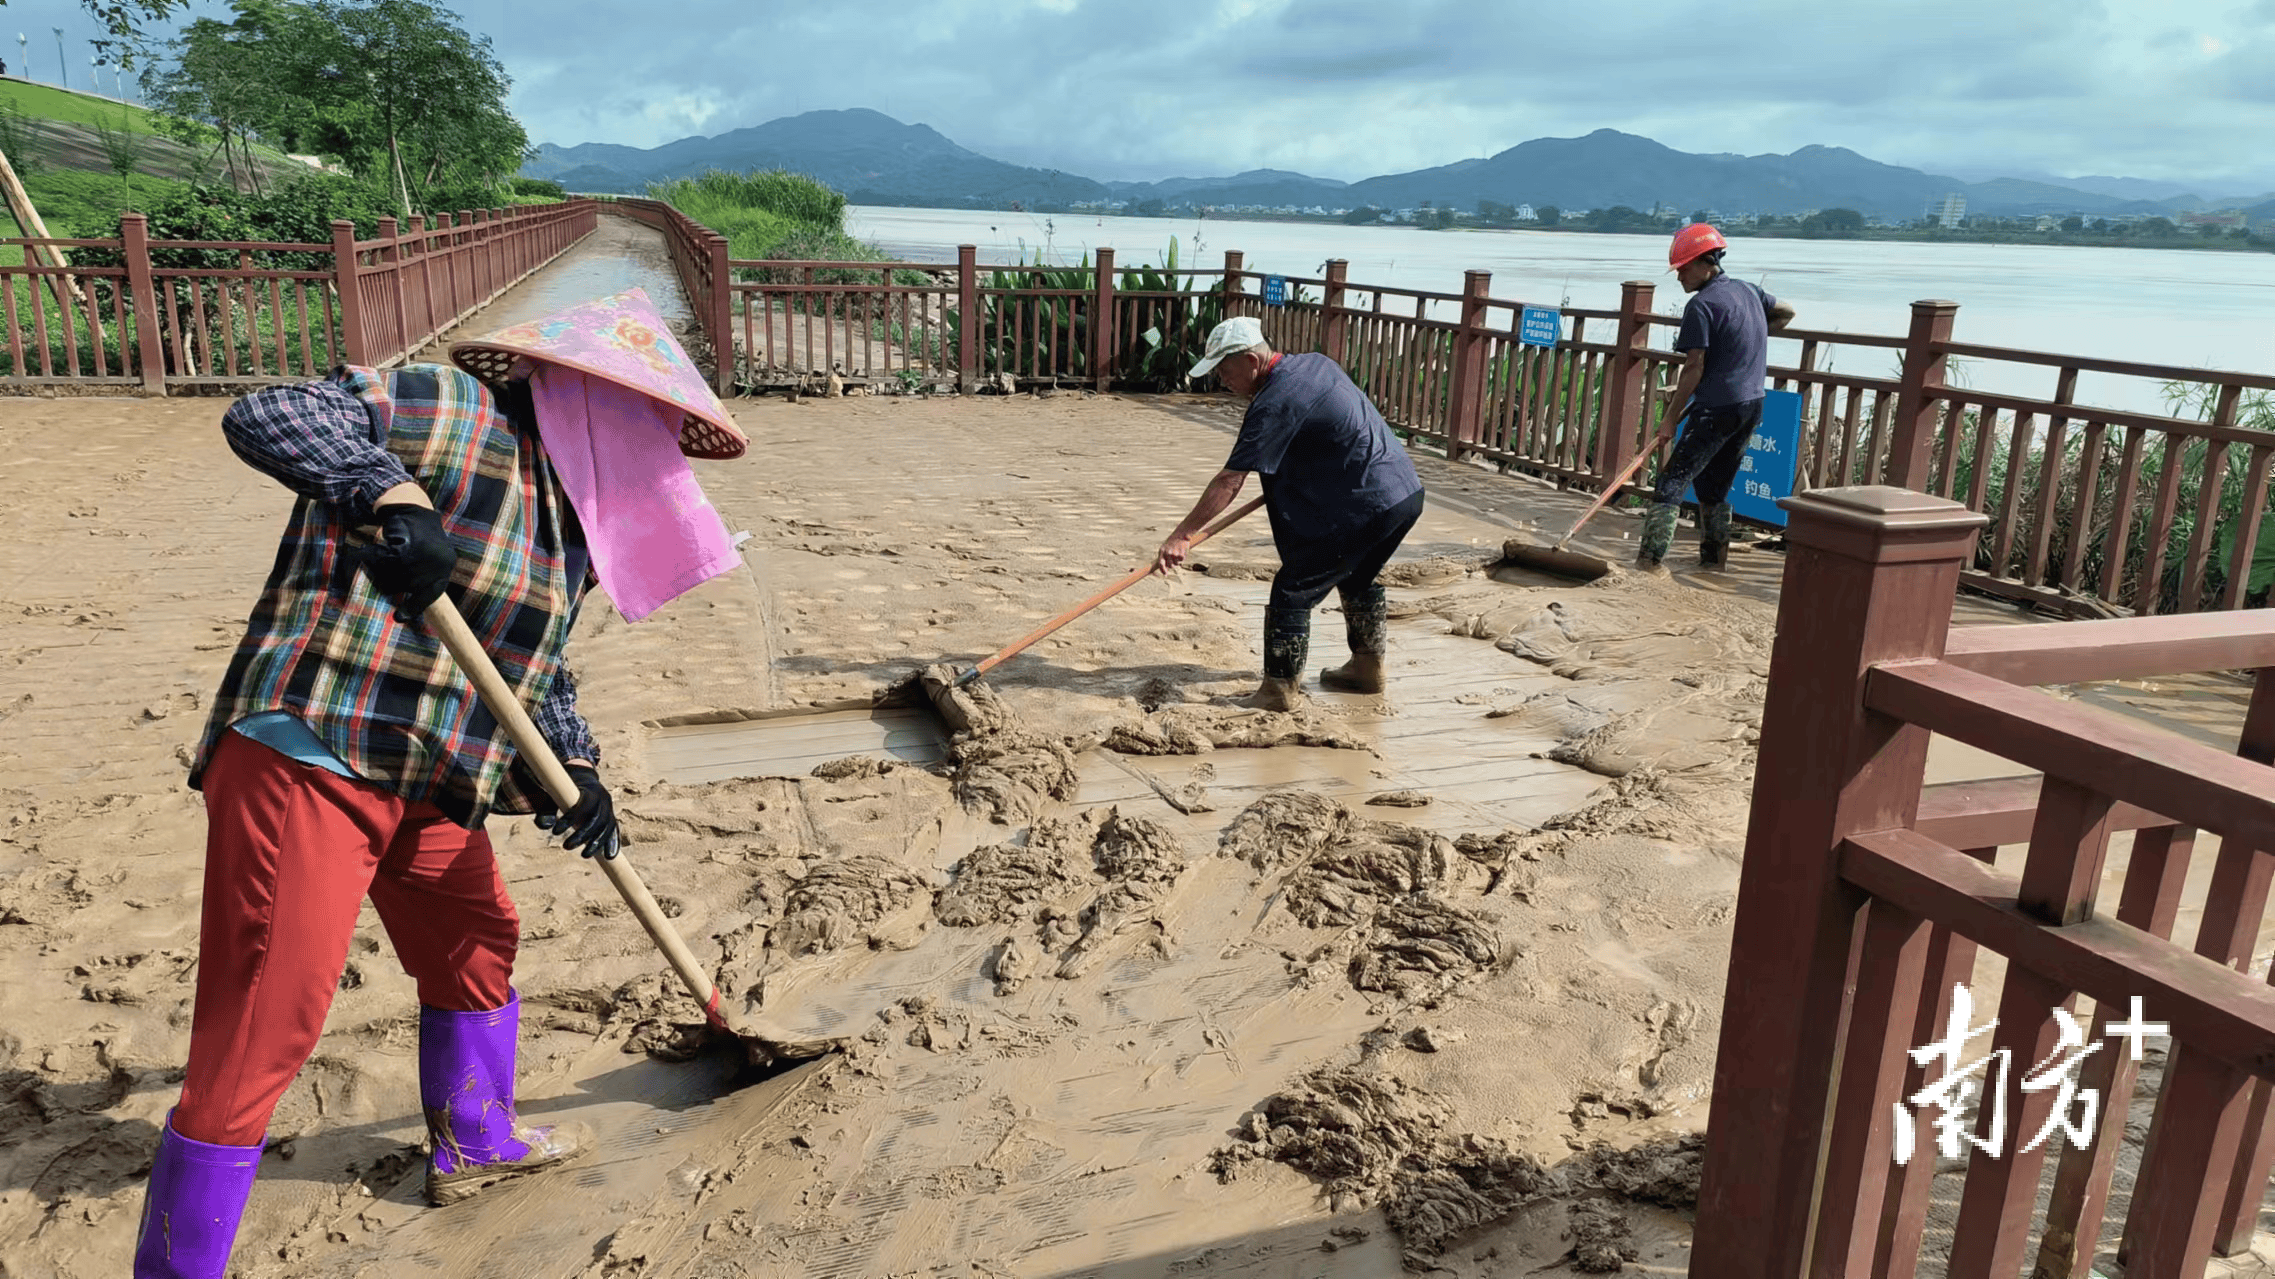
[
  {"x": 540, "y": 186},
  {"x": 759, "y": 212}
]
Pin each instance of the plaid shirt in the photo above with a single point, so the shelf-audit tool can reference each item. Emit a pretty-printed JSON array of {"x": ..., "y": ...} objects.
[{"x": 324, "y": 644}]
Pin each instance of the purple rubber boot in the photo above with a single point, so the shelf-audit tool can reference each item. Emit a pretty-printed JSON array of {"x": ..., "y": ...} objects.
[
  {"x": 466, "y": 1076},
  {"x": 189, "y": 1218}
]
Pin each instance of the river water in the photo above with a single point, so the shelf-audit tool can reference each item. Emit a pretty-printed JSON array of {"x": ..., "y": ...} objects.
[{"x": 2194, "y": 309}]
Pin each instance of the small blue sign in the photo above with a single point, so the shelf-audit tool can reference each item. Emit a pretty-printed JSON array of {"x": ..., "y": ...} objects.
[
  {"x": 1540, "y": 326},
  {"x": 1275, "y": 290},
  {"x": 1765, "y": 473}
]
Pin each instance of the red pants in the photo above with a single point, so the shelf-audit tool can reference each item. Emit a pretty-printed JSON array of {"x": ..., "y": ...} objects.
[{"x": 291, "y": 852}]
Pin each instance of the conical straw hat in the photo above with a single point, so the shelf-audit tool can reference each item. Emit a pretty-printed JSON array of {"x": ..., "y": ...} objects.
[{"x": 622, "y": 338}]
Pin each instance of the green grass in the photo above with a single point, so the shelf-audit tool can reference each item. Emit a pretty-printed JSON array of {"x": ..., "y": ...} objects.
[
  {"x": 78, "y": 204},
  {"x": 46, "y": 102},
  {"x": 762, "y": 211}
]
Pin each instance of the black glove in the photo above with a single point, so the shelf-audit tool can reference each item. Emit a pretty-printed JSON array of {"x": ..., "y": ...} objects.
[
  {"x": 412, "y": 561},
  {"x": 591, "y": 823}
]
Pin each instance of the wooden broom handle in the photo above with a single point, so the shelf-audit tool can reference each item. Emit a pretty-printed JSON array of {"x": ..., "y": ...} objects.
[
  {"x": 1135, "y": 575},
  {"x": 443, "y": 619}
]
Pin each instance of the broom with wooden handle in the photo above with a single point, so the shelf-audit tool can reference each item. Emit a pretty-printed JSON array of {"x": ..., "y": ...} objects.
[{"x": 442, "y": 618}]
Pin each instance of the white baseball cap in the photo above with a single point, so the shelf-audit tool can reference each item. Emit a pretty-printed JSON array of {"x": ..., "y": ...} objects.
[{"x": 1229, "y": 338}]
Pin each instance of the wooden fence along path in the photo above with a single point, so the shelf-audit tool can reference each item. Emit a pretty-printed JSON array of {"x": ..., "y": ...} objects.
[
  {"x": 2092, "y": 509},
  {"x": 1865, "y": 896},
  {"x": 155, "y": 316}
]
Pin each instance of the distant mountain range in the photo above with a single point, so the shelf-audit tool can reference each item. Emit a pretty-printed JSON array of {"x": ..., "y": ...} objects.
[{"x": 876, "y": 159}]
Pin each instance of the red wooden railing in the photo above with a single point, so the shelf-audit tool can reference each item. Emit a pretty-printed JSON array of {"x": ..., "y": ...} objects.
[
  {"x": 1865, "y": 896},
  {"x": 149, "y": 325},
  {"x": 2092, "y": 508},
  {"x": 699, "y": 259}
]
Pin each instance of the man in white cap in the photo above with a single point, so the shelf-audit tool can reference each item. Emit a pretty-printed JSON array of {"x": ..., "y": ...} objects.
[{"x": 1341, "y": 493}]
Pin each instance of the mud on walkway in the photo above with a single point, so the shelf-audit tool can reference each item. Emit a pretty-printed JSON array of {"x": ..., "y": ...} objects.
[{"x": 1152, "y": 983}]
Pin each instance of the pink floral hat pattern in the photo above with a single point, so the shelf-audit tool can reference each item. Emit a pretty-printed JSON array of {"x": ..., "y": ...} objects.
[{"x": 622, "y": 338}]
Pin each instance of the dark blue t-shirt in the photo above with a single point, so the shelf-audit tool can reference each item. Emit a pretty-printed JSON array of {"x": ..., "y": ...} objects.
[
  {"x": 1729, "y": 320},
  {"x": 1329, "y": 463}
]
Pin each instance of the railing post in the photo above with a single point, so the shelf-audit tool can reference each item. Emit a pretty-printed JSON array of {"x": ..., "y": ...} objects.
[
  {"x": 1465, "y": 408},
  {"x": 1625, "y": 390},
  {"x": 134, "y": 246},
  {"x": 461, "y": 285},
  {"x": 351, "y": 294},
  {"x": 719, "y": 317},
  {"x": 391, "y": 232},
  {"x": 1102, "y": 343},
  {"x": 967, "y": 318},
  {"x": 421, "y": 247},
  {"x": 1869, "y": 577},
  {"x": 1911, "y": 440},
  {"x": 1233, "y": 260},
  {"x": 1334, "y": 325}
]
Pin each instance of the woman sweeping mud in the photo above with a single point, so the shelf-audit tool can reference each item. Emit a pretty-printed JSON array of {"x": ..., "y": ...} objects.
[{"x": 347, "y": 757}]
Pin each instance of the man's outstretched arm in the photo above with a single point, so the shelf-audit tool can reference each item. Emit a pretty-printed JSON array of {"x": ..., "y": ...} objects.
[{"x": 1214, "y": 499}]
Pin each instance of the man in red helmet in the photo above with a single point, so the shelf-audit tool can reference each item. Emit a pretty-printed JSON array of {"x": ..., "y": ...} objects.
[{"x": 1724, "y": 341}]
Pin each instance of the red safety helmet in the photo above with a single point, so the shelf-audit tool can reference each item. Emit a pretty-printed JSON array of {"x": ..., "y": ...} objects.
[{"x": 1693, "y": 240}]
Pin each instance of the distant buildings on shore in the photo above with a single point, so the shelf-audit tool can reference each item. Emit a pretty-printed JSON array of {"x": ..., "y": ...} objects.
[{"x": 1946, "y": 213}]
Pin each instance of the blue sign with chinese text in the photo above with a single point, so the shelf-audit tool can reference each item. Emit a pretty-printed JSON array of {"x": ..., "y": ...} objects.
[
  {"x": 1540, "y": 326},
  {"x": 1765, "y": 473},
  {"x": 1275, "y": 290}
]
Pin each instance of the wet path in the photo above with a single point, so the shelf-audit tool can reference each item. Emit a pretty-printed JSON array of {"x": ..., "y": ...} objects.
[{"x": 619, "y": 255}]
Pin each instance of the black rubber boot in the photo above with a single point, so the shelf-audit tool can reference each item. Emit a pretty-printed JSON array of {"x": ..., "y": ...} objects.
[
  {"x": 1658, "y": 535},
  {"x": 1714, "y": 536},
  {"x": 1287, "y": 644},
  {"x": 1366, "y": 625}
]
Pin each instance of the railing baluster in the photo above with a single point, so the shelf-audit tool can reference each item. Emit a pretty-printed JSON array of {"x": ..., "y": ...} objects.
[
  {"x": 2148, "y": 592},
  {"x": 2249, "y": 515},
  {"x": 2018, "y": 471},
  {"x": 1954, "y": 423},
  {"x": 1903, "y": 1215},
  {"x": 276, "y": 323},
  {"x": 2201, "y": 1110},
  {"x": 1893, "y": 959},
  {"x": 2212, "y": 478},
  {"x": 2046, "y": 510},
  {"x": 39, "y": 332},
  {"x": 2069, "y": 842},
  {"x": 2156, "y": 872},
  {"x": 15, "y": 334}
]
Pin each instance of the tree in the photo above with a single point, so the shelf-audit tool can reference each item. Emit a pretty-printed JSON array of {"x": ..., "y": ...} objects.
[
  {"x": 398, "y": 82},
  {"x": 2073, "y": 224},
  {"x": 1618, "y": 217},
  {"x": 122, "y": 146},
  {"x": 1495, "y": 211},
  {"x": 1549, "y": 214},
  {"x": 1362, "y": 215},
  {"x": 1834, "y": 221},
  {"x": 221, "y": 80}
]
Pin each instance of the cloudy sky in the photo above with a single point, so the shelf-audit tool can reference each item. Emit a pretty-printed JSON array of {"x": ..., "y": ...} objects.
[{"x": 2181, "y": 90}]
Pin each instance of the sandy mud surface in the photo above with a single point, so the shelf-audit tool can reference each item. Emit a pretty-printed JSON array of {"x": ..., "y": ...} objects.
[{"x": 1122, "y": 979}]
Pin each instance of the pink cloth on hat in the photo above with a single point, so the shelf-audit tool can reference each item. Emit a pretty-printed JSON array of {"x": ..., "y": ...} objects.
[{"x": 653, "y": 535}]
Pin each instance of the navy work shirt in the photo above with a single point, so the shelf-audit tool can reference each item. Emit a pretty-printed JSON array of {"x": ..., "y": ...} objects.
[
  {"x": 1329, "y": 463},
  {"x": 1728, "y": 319}
]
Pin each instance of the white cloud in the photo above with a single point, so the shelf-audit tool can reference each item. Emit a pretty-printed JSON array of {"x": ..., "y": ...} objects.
[{"x": 1352, "y": 88}]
